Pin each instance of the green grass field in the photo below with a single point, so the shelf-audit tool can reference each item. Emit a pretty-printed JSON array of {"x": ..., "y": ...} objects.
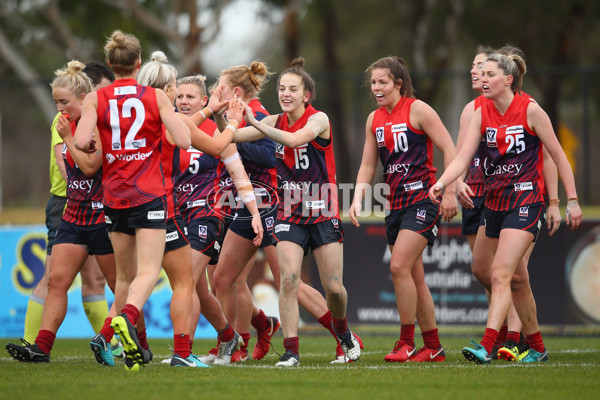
[{"x": 573, "y": 372}]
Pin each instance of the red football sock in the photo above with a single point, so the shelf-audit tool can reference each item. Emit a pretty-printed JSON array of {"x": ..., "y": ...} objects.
[
  {"x": 407, "y": 334},
  {"x": 292, "y": 344},
  {"x": 182, "y": 345},
  {"x": 142, "y": 338},
  {"x": 431, "y": 339},
  {"x": 489, "y": 338},
  {"x": 45, "y": 340},
  {"x": 502, "y": 336},
  {"x": 246, "y": 337},
  {"x": 513, "y": 336},
  {"x": 326, "y": 320},
  {"x": 534, "y": 341},
  {"x": 340, "y": 325},
  {"x": 107, "y": 331},
  {"x": 191, "y": 345},
  {"x": 133, "y": 314},
  {"x": 226, "y": 334},
  {"x": 260, "y": 322}
]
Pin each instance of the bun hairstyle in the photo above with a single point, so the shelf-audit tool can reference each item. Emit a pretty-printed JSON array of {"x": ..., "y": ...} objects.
[
  {"x": 122, "y": 51},
  {"x": 297, "y": 68},
  {"x": 73, "y": 78},
  {"x": 397, "y": 71},
  {"x": 198, "y": 80},
  {"x": 157, "y": 72},
  {"x": 250, "y": 78},
  {"x": 511, "y": 64}
]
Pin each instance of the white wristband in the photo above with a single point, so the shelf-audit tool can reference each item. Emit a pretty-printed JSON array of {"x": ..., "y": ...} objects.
[
  {"x": 202, "y": 113},
  {"x": 231, "y": 158},
  {"x": 211, "y": 110},
  {"x": 233, "y": 128},
  {"x": 441, "y": 184}
]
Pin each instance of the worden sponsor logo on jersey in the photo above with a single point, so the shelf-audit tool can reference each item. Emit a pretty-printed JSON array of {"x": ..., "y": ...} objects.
[
  {"x": 521, "y": 186},
  {"x": 490, "y": 136},
  {"x": 156, "y": 215},
  {"x": 282, "y": 228},
  {"x": 523, "y": 211},
  {"x": 421, "y": 214},
  {"x": 380, "y": 137}
]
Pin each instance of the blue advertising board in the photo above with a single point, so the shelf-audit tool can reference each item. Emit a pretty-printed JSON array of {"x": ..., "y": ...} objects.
[{"x": 22, "y": 256}]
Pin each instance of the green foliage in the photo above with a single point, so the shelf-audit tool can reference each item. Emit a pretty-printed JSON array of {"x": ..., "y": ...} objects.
[{"x": 572, "y": 372}]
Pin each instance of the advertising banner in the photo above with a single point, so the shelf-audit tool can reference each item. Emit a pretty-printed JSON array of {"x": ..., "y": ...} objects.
[
  {"x": 564, "y": 272},
  {"x": 22, "y": 256}
]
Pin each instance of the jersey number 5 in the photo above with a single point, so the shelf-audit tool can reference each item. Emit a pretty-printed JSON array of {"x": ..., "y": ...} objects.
[{"x": 140, "y": 115}]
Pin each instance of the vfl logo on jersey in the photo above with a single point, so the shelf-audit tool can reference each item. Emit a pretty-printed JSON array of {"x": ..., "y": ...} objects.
[
  {"x": 123, "y": 90},
  {"x": 421, "y": 214},
  {"x": 315, "y": 205},
  {"x": 511, "y": 130},
  {"x": 279, "y": 151},
  {"x": 336, "y": 223},
  {"x": 203, "y": 231},
  {"x": 269, "y": 222},
  {"x": 282, "y": 228},
  {"x": 523, "y": 211},
  {"x": 380, "y": 137},
  {"x": 521, "y": 186},
  {"x": 172, "y": 236},
  {"x": 110, "y": 158},
  {"x": 97, "y": 205},
  {"x": 490, "y": 136},
  {"x": 156, "y": 215},
  {"x": 409, "y": 187}
]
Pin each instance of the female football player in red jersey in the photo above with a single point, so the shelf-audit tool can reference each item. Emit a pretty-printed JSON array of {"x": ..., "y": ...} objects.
[
  {"x": 471, "y": 195},
  {"x": 130, "y": 119},
  {"x": 514, "y": 129},
  {"x": 199, "y": 186},
  {"x": 82, "y": 230},
  {"x": 308, "y": 214},
  {"x": 401, "y": 133},
  {"x": 233, "y": 269},
  {"x": 177, "y": 261}
]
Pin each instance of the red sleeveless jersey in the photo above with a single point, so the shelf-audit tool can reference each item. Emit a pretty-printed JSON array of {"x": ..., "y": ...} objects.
[
  {"x": 511, "y": 158},
  {"x": 406, "y": 154},
  {"x": 475, "y": 178},
  {"x": 84, "y": 193},
  {"x": 306, "y": 179},
  {"x": 130, "y": 130}
]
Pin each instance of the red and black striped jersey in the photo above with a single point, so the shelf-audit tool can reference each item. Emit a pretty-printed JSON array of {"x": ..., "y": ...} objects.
[
  {"x": 511, "y": 159},
  {"x": 306, "y": 177},
  {"x": 406, "y": 154}
]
